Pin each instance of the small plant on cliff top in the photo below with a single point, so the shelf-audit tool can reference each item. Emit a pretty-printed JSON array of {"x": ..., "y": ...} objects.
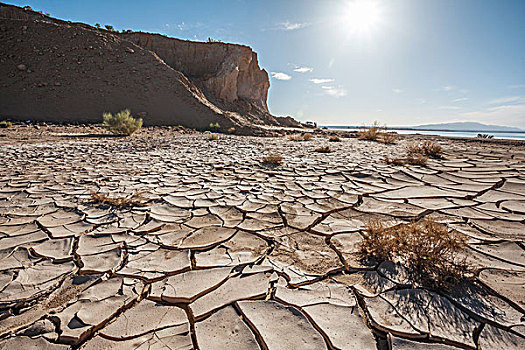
[{"x": 122, "y": 123}]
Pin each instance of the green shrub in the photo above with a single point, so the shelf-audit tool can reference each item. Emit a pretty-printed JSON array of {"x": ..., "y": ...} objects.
[
  {"x": 4, "y": 124},
  {"x": 215, "y": 127},
  {"x": 122, "y": 123}
]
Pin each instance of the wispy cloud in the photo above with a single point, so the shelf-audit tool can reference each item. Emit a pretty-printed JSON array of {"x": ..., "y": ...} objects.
[
  {"x": 291, "y": 25},
  {"x": 505, "y": 100},
  {"x": 303, "y": 69},
  {"x": 398, "y": 91},
  {"x": 517, "y": 86},
  {"x": 446, "y": 88},
  {"x": 461, "y": 99},
  {"x": 280, "y": 76},
  {"x": 334, "y": 91},
  {"x": 449, "y": 108},
  {"x": 321, "y": 80}
]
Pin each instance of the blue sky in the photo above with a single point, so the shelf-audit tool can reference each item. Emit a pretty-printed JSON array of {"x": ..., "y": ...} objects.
[{"x": 403, "y": 62}]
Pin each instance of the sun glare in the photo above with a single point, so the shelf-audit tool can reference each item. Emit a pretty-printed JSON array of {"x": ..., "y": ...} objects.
[{"x": 362, "y": 16}]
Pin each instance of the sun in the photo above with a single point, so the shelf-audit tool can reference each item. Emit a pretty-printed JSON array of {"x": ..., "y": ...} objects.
[{"x": 362, "y": 16}]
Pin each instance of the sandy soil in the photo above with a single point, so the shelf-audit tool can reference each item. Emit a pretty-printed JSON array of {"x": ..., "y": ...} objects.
[{"x": 227, "y": 252}]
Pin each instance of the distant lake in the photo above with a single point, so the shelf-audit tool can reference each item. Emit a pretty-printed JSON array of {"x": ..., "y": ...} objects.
[{"x": 474, "y": 134}]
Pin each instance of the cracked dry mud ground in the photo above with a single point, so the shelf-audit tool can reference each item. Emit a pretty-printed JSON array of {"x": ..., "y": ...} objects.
[{"x": 230, "y": 254}]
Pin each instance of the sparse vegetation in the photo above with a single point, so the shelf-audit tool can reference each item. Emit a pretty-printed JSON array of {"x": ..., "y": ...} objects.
[
  {"x": 215, "y": 127},
  {"x": 213, "y": 136},
  {"x": 416, "y": 159},
  {"x": 323, "y": 149},
  {"x": 426, "y": 148},
  {"x": 5, "y": 124},
  {"x": 122, "y": 123},
  {"x": 300, "y": 137},
  {"x": 485, "y": 136},
  {"x": 394, "y": 161},
  {"x": 334, "y": 138},
  {"x": 273, "y": 159},
  {"x": 388, "y": 137},
  {"x": 109, "y": 28},
  {"x": 427, "y": 249},
  {"x": 133, "y": 200},
  {"x": 372, "y": 133}
]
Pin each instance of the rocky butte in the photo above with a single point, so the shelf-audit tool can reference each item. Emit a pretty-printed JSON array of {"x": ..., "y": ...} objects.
[{"x": 60, "y": 71}]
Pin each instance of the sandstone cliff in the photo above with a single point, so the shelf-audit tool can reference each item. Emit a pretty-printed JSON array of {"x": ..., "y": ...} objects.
[{"x": 56, "y": 70}]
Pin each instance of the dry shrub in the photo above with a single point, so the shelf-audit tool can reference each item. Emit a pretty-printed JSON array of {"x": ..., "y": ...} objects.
[
  {"x": 213, "y": 136},
  {"x": 323, "y": 149},
  {"x": 372, "y": 133},
  {"x": 388, "y": 137},
  {"x": 304, "y": 137},
  {"x": 427, "y": 249},
  {"x": 427, "y": 148},
  {"x": 307, "y": 136},
  {"x": 133, "y": 200},
  {"x": 416, "y": 159},
  {"x": 334, "y": 138},
  {"x": 273, "y": 159},
  {"x": 394, "y": 161}
]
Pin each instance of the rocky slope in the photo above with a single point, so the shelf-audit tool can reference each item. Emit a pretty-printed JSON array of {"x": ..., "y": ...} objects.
[{"x": 54, "y": 70}]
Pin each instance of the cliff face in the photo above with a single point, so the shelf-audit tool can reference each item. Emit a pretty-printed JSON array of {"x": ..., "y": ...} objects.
[
  {"x": 62, "y": 71},
  {"x": 225, "y": 71},
  {"x": 229, "y": 75}
]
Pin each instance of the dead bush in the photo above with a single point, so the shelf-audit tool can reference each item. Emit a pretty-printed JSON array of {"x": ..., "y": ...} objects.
[
  {"x": 133, "y": 200},
  {"x": 213, "y": 136},
  {"x": 300, "y": 137},
  {"x": 273, "y": 159},
  {"x": 394, "y": 161},
  {"x": 427, "y": 249},
  {"x": 323, "y": 149},
  {"x": 307, "y": 136},
  {"x": 416, "y": 159},
  {"x": 334, "y": 138},
  {"x": 388, "y": 137},
  {"x": 372, "y": 133},
  {"x": 427, "y": 148}
]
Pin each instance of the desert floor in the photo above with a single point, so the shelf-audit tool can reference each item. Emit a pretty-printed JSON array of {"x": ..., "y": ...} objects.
[{"x": 229, "y": 253}]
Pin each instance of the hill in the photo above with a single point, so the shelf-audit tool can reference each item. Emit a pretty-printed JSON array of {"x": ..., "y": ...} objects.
[
  {"x": 465, "y": 126},
  {"x": 55, "y": 70}
]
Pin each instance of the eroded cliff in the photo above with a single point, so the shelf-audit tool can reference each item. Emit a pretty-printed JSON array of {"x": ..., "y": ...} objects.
[{"x": 228, "y": 74}]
